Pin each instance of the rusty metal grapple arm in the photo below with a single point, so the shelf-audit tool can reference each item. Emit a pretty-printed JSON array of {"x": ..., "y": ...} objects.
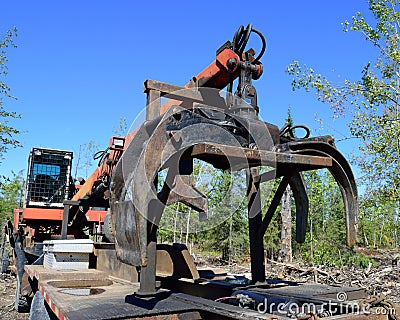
[
  {"x": 340, "y": 170},
  {"x": 200, "y": 123}
]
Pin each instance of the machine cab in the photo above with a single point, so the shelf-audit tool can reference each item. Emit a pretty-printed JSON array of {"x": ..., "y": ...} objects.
[{"x": 49, "y": 178}]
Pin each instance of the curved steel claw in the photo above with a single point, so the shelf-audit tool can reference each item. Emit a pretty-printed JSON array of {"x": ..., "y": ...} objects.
[
  {"x": 297, "y": 185},
  {"x": 296, "y": 182},
  {"x": 342, "y": 173}
]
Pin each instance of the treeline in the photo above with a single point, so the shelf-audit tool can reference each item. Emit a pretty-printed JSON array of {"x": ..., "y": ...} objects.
[
  {"x": 225, "y": 234},
  {"x": 372, "y": 104},
  {"x": 11, "y": 195}
]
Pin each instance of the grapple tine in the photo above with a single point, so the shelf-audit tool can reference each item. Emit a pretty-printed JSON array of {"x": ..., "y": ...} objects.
[
  {"x": 185, "y": 191},
  {"x": 129, "y": 248},
  {"x": 302, "y": 205},
  {"x": 343, "y": 175},
  {"x": 297, "y": 185}
]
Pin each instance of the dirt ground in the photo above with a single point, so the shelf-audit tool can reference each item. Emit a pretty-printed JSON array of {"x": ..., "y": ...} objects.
[
  {"x": 381, "y": 277},
  {"x": 7, "y": 289}
]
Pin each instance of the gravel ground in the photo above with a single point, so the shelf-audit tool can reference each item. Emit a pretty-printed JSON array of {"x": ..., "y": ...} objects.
[{"x": 7, "y": 289}]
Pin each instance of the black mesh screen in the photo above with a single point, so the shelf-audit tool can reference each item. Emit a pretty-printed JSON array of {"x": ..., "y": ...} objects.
[{"x": 48, "y": 177}]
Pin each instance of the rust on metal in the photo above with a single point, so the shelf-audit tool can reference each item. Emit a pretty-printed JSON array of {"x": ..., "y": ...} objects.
[
  {"x": 261, "y": 157},
  {"x": 225, "y": 130},
  {"x": 227, "y": 133}
]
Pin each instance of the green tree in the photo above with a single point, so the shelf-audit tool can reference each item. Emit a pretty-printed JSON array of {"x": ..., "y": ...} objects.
[
  {"x": 285, "y": 253},
  {"x": 122, "y": 129},
  {"x": 84, "y": 160},
  {"x": 325, "y": 241},
  {"x": 373, "y": 100},
  {"x": 327, "y": 226},
  {"x": 7, "y": 132},
  {"x": 11, "y": 195},
  {"x": 379, "y": 222},
  {"x": 225, "y": 232}
]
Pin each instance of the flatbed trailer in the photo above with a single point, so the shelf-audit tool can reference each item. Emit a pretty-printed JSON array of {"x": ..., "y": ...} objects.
[
  {"x": 112, "y": 292},
  {"x": 93, "y": 295},
  {"x": 107, "y": 297}
]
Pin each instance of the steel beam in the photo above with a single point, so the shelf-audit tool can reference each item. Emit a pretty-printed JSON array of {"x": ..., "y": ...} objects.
[{"x": 255, "y": 219}]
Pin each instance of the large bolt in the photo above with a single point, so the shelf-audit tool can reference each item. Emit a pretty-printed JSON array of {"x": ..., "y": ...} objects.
[{"x": 231, "y": 63}]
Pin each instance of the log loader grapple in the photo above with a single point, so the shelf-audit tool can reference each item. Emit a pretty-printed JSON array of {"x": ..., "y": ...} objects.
[
  {"x": 227, "y": 133},
  {"x": 222, "y": 128}
]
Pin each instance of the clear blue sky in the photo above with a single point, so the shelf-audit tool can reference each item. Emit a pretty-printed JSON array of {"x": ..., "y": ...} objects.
[{"x": 80, "y": 65}]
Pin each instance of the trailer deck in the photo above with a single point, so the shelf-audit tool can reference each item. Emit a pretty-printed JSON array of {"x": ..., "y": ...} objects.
[{"x": 92, "y": 294}]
